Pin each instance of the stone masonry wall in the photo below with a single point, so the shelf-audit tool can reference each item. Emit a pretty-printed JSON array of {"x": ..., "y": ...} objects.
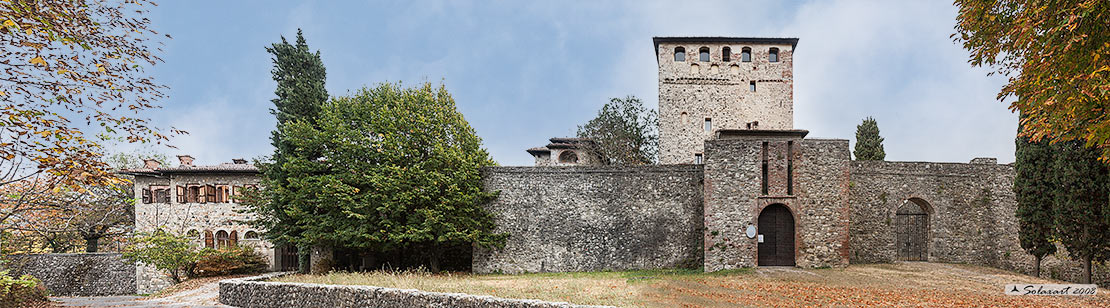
[
  {"x": 182, "y": 218},
  {"x": 84, "y": 274},
  {"x": 972, "y": 216},
  {"x": 563, "y": 219},
  {"x": 255, "y": 292},
  {"x": 734, "y": 201},
  {"x": 691, "y": 91}
]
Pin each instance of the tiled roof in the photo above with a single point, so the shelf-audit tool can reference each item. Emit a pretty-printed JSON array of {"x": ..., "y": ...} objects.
[{"x": 221, "y": 168}]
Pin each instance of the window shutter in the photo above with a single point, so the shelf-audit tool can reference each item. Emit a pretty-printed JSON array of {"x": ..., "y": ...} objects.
[
  {"x": 208, "y": 240},
  {"x": 234, "y": 238},
  {"x": 146, "y": 195},
  {"x": 210, "y": 193},
  {"x": 180, "y": 194}
]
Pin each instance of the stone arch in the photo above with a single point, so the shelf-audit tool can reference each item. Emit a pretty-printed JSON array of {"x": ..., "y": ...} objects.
[
  {"x": 694, "y": 68},
  {"x": 734, "y": 69},
  {"x": 776, "y": 225},
  {"x": 568, "y": 157},
  {"x": 223, "y": 239},
  {"x": 911, "y": 230}
]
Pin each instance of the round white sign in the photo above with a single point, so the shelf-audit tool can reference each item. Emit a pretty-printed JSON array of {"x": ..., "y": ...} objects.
[{"x": 750, "y": 232}]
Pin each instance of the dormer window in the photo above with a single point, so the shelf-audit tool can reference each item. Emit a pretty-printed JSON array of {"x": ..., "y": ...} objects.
[
  {"x": 703, "y": 54},
  {"x": 773, "y": 55},
  {"x": 746, "y": 55},
  {"x": 679, "y": 54},
  {"x": 726, "y": 54}
]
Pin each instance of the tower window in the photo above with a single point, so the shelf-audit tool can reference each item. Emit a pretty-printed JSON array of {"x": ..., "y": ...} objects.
[
  {"x": 746, "y": 54},
  {"x": 773, "y": 56},
  {"x": 568, "y": 157},
  {"x": 685, "y": 118},
  {"x": 703, "y": 54},
  {"x": 679, "y": 54},
  {"x": 697, "y": 158},
  {"x": 751, "y": 86},
  {"x": 726, "y": 54},
  {"x": 708, "y": 124}
]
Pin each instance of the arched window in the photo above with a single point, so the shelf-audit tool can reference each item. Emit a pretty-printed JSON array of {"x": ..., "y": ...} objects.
[
  {"x": 746, "y": 55},
  {"x": 773, "y": 56},
  {"x": 222, "y": 239},
  {"x": 734, "y": 69},
  {"x": 685, "y": 118},
  {"x": 209, "y": 240},
  {"x": 726, "y": 54},
  {"x": 694, "y": 68},
  {"x": 703, "y": 54},
  {"x": 679, "y": 54},
  {"x": 568, "y": 157},
  {"x": 250, "y": 235},
  {"x": 234, "y": 240}
]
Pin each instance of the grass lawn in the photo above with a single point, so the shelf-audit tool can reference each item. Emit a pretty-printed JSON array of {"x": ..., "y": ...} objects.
[{"x": 911, "y": 284}]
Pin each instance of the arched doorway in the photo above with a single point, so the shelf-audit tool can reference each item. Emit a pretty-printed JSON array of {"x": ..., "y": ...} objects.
[
  {"x": 911, "y": 227},
  {"x": 776, "y": 226}
]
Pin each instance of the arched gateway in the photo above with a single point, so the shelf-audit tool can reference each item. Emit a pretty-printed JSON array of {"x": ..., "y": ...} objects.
[
  {"x": 911, "y": 225},
  {"x": 776, "y": 226}
]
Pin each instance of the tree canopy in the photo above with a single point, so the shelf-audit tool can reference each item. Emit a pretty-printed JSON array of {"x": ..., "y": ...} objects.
[
  {"x": 869, "y": 145},
  {"x": 397, "y": 167},
  {"x": 1082, "y": 203},
  {"x": 1057, "y": 55},
  {"x": 624, "y": 132},
  {"x": 1033, "y": 192},
  {"x": 74, "y": 72}
]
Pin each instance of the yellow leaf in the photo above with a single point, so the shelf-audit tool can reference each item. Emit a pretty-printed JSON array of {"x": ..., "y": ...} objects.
[
  {"x": 3, "y": 94},
  {"x": 38, "y": 60},
  {"x": 9, "y": 23},
  {"x": 100, "y": 68}
]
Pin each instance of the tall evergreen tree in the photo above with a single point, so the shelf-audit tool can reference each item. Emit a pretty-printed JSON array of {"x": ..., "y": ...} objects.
[
  {"x": 300, "y": 77},
  {"x": 1034, "y": 191},
  {"x": 869, "y": 145},
  {"x": 624, "y": 132},
  {"x": 1082, "y": 208}
]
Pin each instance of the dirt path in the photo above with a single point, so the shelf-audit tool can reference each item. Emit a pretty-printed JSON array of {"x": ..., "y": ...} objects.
[{"x": 205, "y": 296}]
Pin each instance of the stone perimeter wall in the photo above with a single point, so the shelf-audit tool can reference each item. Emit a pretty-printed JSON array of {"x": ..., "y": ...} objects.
[
  {"x": 71, "y": 274},
  {"x": 972, "y": 216},
  {"x": 256, "y": 292},
  {"x": 570, "y": 219}
]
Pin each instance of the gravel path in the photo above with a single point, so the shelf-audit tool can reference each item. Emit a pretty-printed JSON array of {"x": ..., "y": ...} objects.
[{"x": 205, "y": 296}]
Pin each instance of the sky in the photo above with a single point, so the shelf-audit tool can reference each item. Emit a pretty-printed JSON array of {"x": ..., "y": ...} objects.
[{"x": 525, "y": 71}]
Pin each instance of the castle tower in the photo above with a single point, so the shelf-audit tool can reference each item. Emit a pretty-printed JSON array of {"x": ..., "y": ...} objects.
[{"x": 712, "y": 83}]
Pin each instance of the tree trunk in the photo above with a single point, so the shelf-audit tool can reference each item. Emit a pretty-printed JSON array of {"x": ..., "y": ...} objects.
[
  {"x": 1037, "y": 268},
  {"x": 433, "y": 258},
  {"x": 323, "y": 258},
  {"x": 1087, "y": 269},
  {"x": 92, "y": 244}
]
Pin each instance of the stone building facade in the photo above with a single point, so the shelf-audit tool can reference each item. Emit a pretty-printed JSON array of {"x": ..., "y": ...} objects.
[
  {"x": 757, "y": 191},
  {"x": 196, "y": 201}
]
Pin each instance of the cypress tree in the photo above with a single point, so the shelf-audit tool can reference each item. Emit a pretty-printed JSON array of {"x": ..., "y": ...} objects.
[
  {"x": 300, "y": 77},
  {"x": 1034, "y": 192},
  {"x": 869, "y": 145},
  {"x": 1082, "y": 208}
]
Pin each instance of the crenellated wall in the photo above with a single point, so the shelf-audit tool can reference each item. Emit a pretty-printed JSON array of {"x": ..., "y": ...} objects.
[{"x": 564, "y": 219}]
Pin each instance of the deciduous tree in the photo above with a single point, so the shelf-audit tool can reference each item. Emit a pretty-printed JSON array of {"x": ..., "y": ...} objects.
[
  {"x": 1057, "y": 55},
  {"x": 74, "y": 71},
  {"x": 869, "y": 145},
  {"x": 624, "y": 132},
  {"x": 1082, "y": 207}
]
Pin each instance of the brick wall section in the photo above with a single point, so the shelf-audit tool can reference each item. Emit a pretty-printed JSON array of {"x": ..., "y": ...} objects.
[
  {"x": 734, "y": 200},
  {"x": 256, "y": 292},
  {"x": 86, "y": 274},
  {"x": 563, "y": 219},
  {"x": 183, "y": 217},
  {"x": 722, "y": 94}
]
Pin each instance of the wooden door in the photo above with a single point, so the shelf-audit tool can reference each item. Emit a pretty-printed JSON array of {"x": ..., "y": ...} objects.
[
  {"x": 776, "y": 225},
  {"x": 911, "y": 225}
]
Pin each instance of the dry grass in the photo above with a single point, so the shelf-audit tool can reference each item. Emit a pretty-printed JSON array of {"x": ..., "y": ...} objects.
[
  {"x": 888, "y": 285},
  {"x": 190, "y": 284}
]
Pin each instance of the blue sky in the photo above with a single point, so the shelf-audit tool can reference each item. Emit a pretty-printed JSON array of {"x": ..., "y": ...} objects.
[{"x": 522, "y": 72}]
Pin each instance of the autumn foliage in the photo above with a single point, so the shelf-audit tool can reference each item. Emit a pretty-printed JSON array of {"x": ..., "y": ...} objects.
[{"x": 1057, "y": 55}]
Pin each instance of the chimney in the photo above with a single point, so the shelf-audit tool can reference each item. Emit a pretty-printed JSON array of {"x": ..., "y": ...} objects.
[
  {"x": 151, "y": 164},
  {"x": 239, "y": 161},
  {"x": 186, "y": 160}
]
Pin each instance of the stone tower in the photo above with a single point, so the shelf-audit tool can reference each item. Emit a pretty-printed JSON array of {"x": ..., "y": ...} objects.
[{"x": 712, "y": 83}]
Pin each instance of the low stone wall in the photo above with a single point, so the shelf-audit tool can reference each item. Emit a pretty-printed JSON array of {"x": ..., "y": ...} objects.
[
  {"x": 573, "y": 219},
  {"x": 256, "y": 292},
  {"x": 84, "y": 274}
]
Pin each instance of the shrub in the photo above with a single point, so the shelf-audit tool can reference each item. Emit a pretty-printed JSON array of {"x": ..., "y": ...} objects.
[
  {"x": 18, "y": 292},
  {"x": 235, "y": 260},
  {"x": 167, "y": 252}
]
